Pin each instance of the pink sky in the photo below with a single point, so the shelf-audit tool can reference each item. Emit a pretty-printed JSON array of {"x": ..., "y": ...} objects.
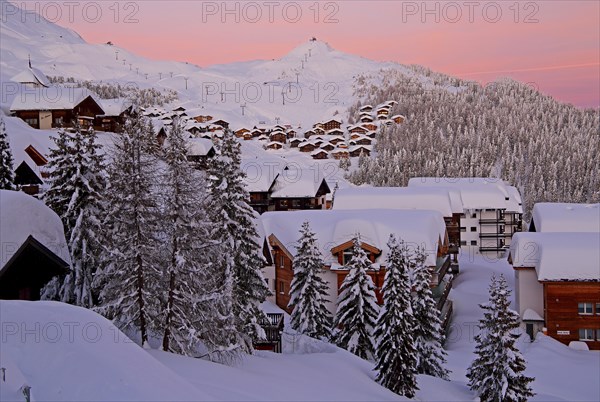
[{"x": 554, "y": 45}]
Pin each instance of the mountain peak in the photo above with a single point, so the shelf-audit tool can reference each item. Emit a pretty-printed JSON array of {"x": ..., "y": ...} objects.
[{"x": 311, "y": 47}]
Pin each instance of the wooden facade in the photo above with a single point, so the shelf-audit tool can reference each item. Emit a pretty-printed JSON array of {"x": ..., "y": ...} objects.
[
  {"x": 86, "y": 112},
  {"x": 332, "y": 124},
  {"x": 28, "y": 270},
  {"x": 562, "y": 314}
]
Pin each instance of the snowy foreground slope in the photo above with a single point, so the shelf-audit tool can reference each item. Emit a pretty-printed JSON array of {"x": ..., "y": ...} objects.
[{"x": 69, "y": 353}]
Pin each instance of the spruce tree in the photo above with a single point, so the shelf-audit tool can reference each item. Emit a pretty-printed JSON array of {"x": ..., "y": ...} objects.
[
  {"x": 427, "y": 334},
  {"x": 187, "y": 283},
  {"x": 244, "y": 287},
  {"x": 497, "y": 372},
  {"x": 77, "y": 187},
  {"x": 131, "y": 274},
  {"x": 395, "y": 350},
  {"x": 7, "y": 175},
  {"x": 308, "y": 291},
  {"x": 357, "y": 307}
]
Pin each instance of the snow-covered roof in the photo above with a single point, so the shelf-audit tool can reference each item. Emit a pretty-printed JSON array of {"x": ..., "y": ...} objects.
[
  {"x": 260, "y": 173},
  {"x": 436, "y": 199},
  {"x": 114, "y": 107},
  {"x": 335, "y": 227},
  {"x": 199, "y": 146},
  {"x": 571, "y": 256},
  {"x": 53, "y": 98},
  {"x": 21, "y": 216},
  {"x": 566, "y": 217},
  {"x": 31, "y": 75},
  {"x": 476, "y": 192},
  {"x": 298, "y": 183},
  {"x": 531, "y": 315}
]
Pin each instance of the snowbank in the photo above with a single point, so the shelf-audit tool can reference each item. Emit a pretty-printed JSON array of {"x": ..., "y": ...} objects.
[{"x": 70, "y": 353}]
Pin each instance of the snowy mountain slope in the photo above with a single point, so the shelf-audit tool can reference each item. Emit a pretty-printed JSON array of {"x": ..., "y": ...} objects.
[{"x": 313, "y": 80}]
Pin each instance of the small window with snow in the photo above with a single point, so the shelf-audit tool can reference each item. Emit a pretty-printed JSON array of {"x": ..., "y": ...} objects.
[
  {"x": 586, "y": 334},
  {"x": 585, "y": 308},
  {"x": 598, "y": 310}
]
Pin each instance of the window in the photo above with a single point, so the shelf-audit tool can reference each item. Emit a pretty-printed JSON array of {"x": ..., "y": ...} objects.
[
  {"x": 474, "y": 215},
  {"x": 586, "y": 334},
  {"x": 58, "y": 121},
  {"x": 473, "y": 242},
  {"x": 463, "y": 229},
  {"x": 473, "y": 229},
  {"x": 281, "y": 262},
  {"x": 585, "y": 308},
  {"x": 463, "y": 242},
  {"x": 598, "y": 310},
  {"x": 347, "y": 256},
  {"x": 32, "y": 122},
  {"x": 281, "y": 287}
]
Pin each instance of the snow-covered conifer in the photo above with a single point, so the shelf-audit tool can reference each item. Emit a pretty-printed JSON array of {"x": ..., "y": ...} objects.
[
  {"x": 7, "y": 175},
  {"x": 78, "y": 183},
  {"x": 357, "y": 308},
  {"x": 243, "y": 282},
  {"x": 497, "y": 372},
  {"x": 427, "y": 334},
  {"x": 188, "y": 291},
  {"x": 395, "y": 351},
  {"x": 131, "y": 274},
  {"x": 308, "y": 291}
]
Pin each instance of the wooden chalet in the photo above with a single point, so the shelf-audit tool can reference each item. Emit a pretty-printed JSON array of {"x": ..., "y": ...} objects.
[
  {"x": 328, "y": 146},
  {"x": 340, "y": 153},
  {"x": 240, "y": 133},
  {"x": 30, "y": 175},
  {"x": 320, "y": 154},
  {"x": 335, "y": 231},
  {"x": 361, "y": 140},
  {"x": 33, "y": 254},
  {"x": 291, "y": 134},
  {"x": 366, "y": 109},
  {"x": 55, "y": 107},
  {"x": 366, "y": 119},
  {"x": 557, "y": 284},
  {"x": 332, "y": 124},
  {"x": 115, "y": 114},
  {"x": 306, "y": 147},
  {"x": 370, "y": 126},
  {"x": 357, "y": 130},
  {"x": 357, "y": 150},
  {"x": 309, "y": 133},
  {"x": 278, "y": 136},
  {"x": 294, "y": 142},
  {"x": 200, "y": 151},
  {"x": 398, "y": 119},
  {"x": 274, "y": 145},
  {"x": 298, "y": 189},
  {"x": 260, "y": 181},
  {"x": 222, "y": 123},
  {"x": 203, "y": 118}
]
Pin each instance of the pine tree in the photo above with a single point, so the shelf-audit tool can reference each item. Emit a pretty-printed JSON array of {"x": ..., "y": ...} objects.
[
  {"x": 7, "y": 175},
  {"x": 309, "y": 290},
  {"x": 187, "y": 280},
  {"x": 497, "y": 372},
  {"x": 357, "y": 307},
  {"x": 233, "y": 219},
  {"x": 77, "y": 186},
  {"x": 427, "y": 334},
  {"x": 60, "y": 193},
  {"x": 395, "y": 351},
  {"x": 131, "y": 275}
]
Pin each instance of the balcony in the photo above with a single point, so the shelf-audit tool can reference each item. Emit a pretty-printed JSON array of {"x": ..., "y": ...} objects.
[
  {"x": 491, "y": 221},
  {"x": 494, "y": 235},
  {"x": 440, "y": 293},
  {"x": 446, "y": 315}
]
